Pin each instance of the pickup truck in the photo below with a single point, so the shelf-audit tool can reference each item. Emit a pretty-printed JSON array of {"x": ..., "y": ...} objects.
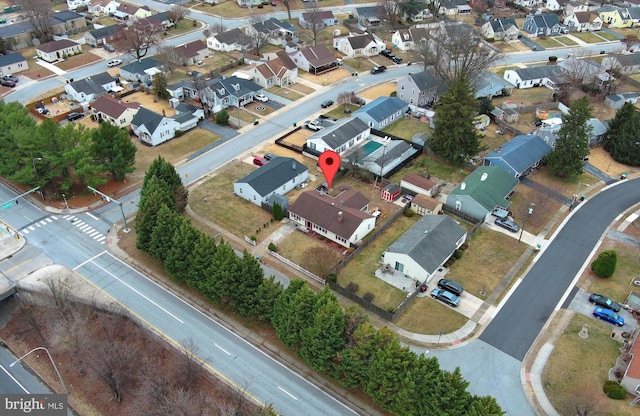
[
  {"x": 500, "y": 212},
  {"x": 313, "y": 125}
]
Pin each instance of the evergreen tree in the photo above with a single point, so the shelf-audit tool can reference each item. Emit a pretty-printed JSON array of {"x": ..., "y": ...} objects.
[
  {"x": 113, "y": 149},
  {"x": 454, "y": 137},
  {"x": 605, "y": 264},
  {"x": 484, "y": 406},
  {"x": 160, "y": 86},
  {"x": 621, "y": 139},
  {"x": 324, "y": 338},
  {"x": 282, "y": 317},
  {"x": 276, "y": 211},
  {"x": 165, "y": 171},
  {"x": 426, "y": 374},
  {"x": 152, "y": 198},
  {"x": 201, "y": 271},
  {"x": 572, "y": 141},
  {"x": 179, "y": 257},
  {"x": 161, "y": 241},
  {"x": 449, "y": 393},
  {"x": 265, "y": 297},
  {"x": 245, "y": 286},
  {"x": 387, "y": 374},
  {"x": 225, "y": 271},
  {"x": 356, "y": 361},
  {"x": 222, "y": 117}
]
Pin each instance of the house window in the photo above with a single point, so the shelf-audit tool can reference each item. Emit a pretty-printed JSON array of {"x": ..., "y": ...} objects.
[
  {"x": 240, "y": 190},
  {"x": 399, "y": 267},
  {"x": 254, "y": 197},
  {"x": 402, "y": 87},
  {"x": 342, "y": 240}
]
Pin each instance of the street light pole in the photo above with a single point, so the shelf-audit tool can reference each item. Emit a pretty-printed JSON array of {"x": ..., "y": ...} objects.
[
  {"x": 109, "y": 199},
  {"x": 524, "y": 224},
  {"x": 55, "y": 367}
]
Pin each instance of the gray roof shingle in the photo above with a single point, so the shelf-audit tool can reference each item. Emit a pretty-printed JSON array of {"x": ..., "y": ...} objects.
[
  {"x": 273, "y": 175},
  {"x": 430, "y": 241}
]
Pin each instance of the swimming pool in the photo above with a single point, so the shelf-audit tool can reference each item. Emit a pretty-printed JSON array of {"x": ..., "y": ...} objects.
[{"x": 371, "y": 147}]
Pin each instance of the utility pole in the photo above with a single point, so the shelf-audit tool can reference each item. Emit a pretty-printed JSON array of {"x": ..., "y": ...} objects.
[{"x": 109, "y": 199}]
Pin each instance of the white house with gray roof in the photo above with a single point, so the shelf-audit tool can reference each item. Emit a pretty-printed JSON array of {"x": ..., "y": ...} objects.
[
  {"x": 344, "y": 135},
  {"x": 425, "y": 247},
  {"x": 279, "y": 176},
  {"x": 626, "y": 64},
  {"x": 550, "y": 76},
  {"x": 142, "y": 71},
  {"x": 226, "y": 92},
  {"x": 500, "y": 29},
  {"x": 382, "y": 111},
  {"x": 153, "y": 129},
  {"x": 231, "y": 40},
  {"x": 365, "y": 45},
  {"x": 90, "y": 88},
  {"x": 13, "y": 63}
]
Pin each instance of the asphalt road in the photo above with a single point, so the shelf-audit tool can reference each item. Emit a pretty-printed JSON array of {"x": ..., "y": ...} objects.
[{"x": 520, "y": 320}]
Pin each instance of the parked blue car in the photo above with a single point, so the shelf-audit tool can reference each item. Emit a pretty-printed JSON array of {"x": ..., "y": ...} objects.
[
  {"x": 446, "y": 297},
  {"x": 608, "y": 315}
]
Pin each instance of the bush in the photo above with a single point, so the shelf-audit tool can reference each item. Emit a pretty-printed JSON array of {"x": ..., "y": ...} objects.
[
  {"x": 353, "y": 287},
  {"x": 332, "y": 277},
  {"x": 273, "y": 247},
  {"x": 409, "y": 213},
  {"x": 605, "y": 264},
  {"x": 393, "y": 94},
  {"x": 613, "y": 390},
  {"x": 222, "y": 117},
  {"x": 178, "y": 133},
  {"x": 458, "y": 253},
  {"x": 369, "y": 297}
]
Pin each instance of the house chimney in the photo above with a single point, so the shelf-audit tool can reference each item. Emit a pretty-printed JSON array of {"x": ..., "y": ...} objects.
[
  {"x": 462, "y": 186},
  {"x": 339, "y": 216},
  {"x": 293, "y": 165},
  {"x": 484, "y": 177}
]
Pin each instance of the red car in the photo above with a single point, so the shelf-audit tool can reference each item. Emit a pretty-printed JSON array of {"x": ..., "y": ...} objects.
[
  {"x": 260, "y": 161},
  {"x": 273, "y": 2}
]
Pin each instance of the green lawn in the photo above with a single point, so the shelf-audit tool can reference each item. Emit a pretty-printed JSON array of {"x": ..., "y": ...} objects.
[
  {"x": 548, "y": 43},
  {"x": 589, "y": 37},
  {"x": 438, "y": 168},
  {"x": 578, "y": 368},
  {"x": 216, "y": 201},
  {"x": 566, "y": 41},
  {"x": 627, "y": 269},
  {"x": 486, "y": 261},
  {"x": 607, "y": 36},
  {"x": 407, "y": 128}
]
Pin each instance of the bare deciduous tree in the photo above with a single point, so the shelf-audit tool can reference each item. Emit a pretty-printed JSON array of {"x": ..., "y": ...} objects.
[
  {"x": 234, "y": 401},
  {"x": 344, "y": 98},
  {"x": 190, "y": 363},
  {"x": 60, "y": 289},
  {"x": 453, "y": 50},
  {"x": 169, "y": 57},
  {"x": 287, "y": 4},
  {"x": 434, "y": 8},
  {"x": 112, "y": 358},
  {"x": 139, "y": 36},
  {"x": 391, "y": 11},
  {"x": 257, "y": 38},
  {"x": 319, "y": 260},
  {"x": 69, "y": 333},
  {"x": 313, "y": 21},
  {"x": 177, "y": 13},
  {"x": 38, "y": 13}
]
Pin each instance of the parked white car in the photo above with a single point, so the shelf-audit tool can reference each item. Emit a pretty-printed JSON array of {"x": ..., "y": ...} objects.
[
  {"x": 261, "y": 97},
  {"x": 114, "y": 62}
]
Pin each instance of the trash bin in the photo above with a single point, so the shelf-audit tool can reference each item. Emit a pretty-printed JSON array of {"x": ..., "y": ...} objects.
[
  {"x": 295, "y": 124},
  {"x": 255, "y": 122}
]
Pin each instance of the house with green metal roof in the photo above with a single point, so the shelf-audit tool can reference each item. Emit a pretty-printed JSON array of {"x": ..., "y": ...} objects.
[{"x": 486, "y": 188}]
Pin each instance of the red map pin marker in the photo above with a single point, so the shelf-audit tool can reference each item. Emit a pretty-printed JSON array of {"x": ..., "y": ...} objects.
[{"x": 329, "y": 162}]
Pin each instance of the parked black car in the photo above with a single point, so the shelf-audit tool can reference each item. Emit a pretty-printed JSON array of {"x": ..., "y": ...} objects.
[
  {"x": 74, "y": 116},
  {"x": 386, "y": 52},
  {"x": 396, "y": 60},
  {"x": 604, "y": 302},
  {"x": 378, "y": 69},
  {"x": 450, "y": 286}
]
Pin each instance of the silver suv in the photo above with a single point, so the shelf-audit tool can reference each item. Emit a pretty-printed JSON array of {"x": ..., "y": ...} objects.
[{"x": 507, "y": 224}]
